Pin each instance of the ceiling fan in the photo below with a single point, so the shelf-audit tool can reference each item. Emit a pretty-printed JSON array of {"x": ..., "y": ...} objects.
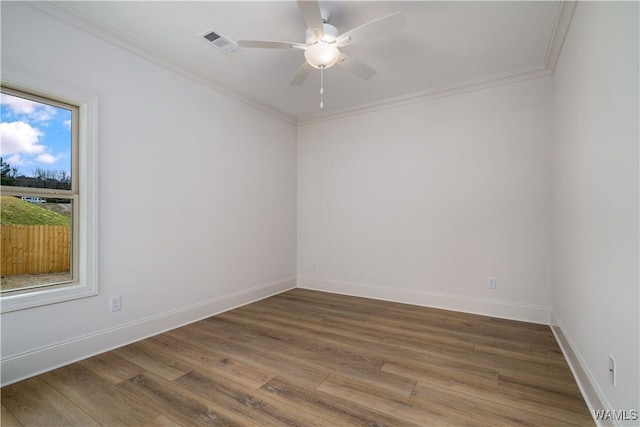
[{"x": 323, "y": 42}]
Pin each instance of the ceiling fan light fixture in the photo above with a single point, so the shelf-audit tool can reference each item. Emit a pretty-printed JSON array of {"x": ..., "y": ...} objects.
[{"x": 322, "y": 55}]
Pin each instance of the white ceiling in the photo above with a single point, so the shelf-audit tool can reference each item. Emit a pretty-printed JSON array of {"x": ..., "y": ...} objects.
[{"x": 445, "y": 45}]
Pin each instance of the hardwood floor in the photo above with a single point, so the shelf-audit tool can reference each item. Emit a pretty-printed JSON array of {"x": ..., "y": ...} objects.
[{"x": 315, "y": 359}]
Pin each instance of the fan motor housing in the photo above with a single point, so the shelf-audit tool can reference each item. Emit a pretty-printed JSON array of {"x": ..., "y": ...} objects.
[{"x": 331, "y": 33}]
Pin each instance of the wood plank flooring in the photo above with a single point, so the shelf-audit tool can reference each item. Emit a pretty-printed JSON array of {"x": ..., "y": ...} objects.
[{"x": 308, "y": 358}]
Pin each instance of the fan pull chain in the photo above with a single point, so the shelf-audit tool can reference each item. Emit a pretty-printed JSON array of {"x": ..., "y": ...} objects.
[{"x": 321, "y": 86}]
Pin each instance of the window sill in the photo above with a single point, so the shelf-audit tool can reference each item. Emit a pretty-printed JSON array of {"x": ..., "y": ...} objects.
[{"x": 66, "y": 292}]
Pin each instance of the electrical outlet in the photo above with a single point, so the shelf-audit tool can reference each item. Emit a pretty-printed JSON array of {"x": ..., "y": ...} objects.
[
  {"x": 316, "y": 266},
  {"x": 612, "y": 370},
  {"x": 115, "y": 303},
  {"x": 491, "y": 282}
]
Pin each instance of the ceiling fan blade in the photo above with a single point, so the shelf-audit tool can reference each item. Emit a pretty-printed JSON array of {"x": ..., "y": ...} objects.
[
  {"x": 356, "y": 67},
  {"x": 266, "y": 44},
  {"x": 301, "y": 75},
  {"x": 310, "y": 10},
  {"x": 372, "y": 29}
]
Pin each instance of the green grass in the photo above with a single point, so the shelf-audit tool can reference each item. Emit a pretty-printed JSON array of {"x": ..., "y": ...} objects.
[{"x": 13, "y": 210}]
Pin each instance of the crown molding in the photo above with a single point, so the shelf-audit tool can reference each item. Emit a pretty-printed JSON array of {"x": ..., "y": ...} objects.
[
  {"x": 59, "y": 11},
  {"x": 468, "y": 86},
  {"x": 559, "y": 34}
]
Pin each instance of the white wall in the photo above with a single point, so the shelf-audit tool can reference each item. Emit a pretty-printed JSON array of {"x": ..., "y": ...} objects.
[
  {"x": 197, "y": 209},
  {"x": 595, "y": 197},
  {"x": 421, "y": 203}
]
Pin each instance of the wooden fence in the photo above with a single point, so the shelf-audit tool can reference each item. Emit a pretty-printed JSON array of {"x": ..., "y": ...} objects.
[{"x": 35, "y": 249}]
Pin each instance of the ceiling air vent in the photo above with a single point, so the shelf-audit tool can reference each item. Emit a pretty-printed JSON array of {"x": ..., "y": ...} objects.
[{"x": 221, "y": 42}]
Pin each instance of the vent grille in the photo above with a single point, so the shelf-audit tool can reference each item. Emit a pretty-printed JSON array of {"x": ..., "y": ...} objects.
[
  {"x": 221, "y": 42},
  {"x": 211, "y": 36}
]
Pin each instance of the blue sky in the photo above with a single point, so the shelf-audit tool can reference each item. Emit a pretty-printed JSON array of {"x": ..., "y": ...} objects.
[{"x": 34, "y": 135}]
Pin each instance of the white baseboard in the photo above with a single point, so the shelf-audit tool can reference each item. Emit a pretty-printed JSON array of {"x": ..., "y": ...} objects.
[
  {"x": 591, "y": 393},
  {"x": 22, "y": 366},
  {"x": 502, "y": 309}
]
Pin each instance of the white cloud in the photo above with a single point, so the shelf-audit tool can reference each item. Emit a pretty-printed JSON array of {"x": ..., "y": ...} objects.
[
  {"x": 47, "y": 158},
  {"x": 67, "y": 123},
  {"x": 33, "y": 110},
  {"x": 43, "y": 114},
  {"x": 20, "y": 138},
  {"x": 18, "y": 105},
  {"x": 15, "y": 160}
]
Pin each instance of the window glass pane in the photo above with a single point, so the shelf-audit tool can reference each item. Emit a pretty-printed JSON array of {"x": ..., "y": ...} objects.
[
  {"x": 36, "y": 144},
  {"x": 36, "y": 241}
]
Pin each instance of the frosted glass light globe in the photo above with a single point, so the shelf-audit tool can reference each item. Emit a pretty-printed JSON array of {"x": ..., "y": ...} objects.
[{"x": 322, "y": 55}]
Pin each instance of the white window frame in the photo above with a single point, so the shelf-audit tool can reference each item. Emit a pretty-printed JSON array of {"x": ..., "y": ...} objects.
[{"x": 86, "y": 282}]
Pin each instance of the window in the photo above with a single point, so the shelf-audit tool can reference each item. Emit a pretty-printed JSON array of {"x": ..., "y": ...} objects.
[{"x": 48, "y": 191}]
